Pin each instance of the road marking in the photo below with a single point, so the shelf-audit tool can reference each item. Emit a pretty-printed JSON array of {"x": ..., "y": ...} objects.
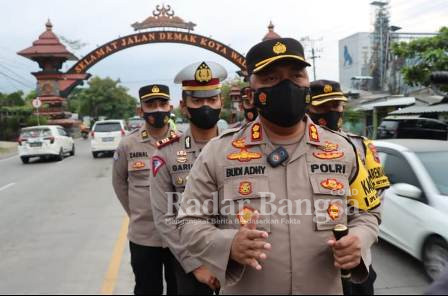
[
  {"x": 7, "y": 186},
  {"x": 110, "y": 280},
  {"x": 8, "y": 158}
]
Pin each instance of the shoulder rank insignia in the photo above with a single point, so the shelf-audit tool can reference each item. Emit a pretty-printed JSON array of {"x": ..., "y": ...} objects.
[
  {"x": 313, "y": 133},
  {"x": 257, "y": 132},
  {"x": 157, "y": 163},
  {"x": 332, "y": 184},
  {"x": 245, "y": 215},
  {"x": 167, "y": 141}
]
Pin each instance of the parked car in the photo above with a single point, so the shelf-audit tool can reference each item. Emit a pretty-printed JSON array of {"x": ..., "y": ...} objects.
[
  {"x": 135, "y": 123},
  {"x": 415, "y": 216},
  {"x": 413, "y": 128},
  {"x": 45, "y": 142},
  {"x": 106, "y": 135}
]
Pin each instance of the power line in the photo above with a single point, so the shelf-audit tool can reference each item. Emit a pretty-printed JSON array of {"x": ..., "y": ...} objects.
[
  {"x": 14, "y": 79},
  {"x": 15, "y": 73}
]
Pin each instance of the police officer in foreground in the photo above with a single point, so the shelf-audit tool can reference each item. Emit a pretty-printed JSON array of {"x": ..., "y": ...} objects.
[
  {"x": 249, "y": 110},
  {"x": 201, "y": 104},
  {"x": 131, "y": 171},
  {"x": 280, "y": 185},
  {"x": 327, "y": 109}
]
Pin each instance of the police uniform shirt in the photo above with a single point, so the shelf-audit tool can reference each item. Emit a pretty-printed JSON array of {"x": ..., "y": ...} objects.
[
  {"x": 319, "y": 170},
  {"x": 131, "y": 169}
]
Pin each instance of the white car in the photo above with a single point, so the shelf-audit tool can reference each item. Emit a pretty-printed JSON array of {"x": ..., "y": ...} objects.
[
  {"x": 106, "y": 135},
  {"x": 415, "y": 217},
  {"x": 45, "y": 141}
]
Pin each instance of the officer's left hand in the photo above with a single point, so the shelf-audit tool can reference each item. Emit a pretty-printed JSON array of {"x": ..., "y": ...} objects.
[{"x": 347, "y": 252}]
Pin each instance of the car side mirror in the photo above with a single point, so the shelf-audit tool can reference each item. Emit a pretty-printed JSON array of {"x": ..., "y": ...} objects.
[{"x": 407, "y": 190}]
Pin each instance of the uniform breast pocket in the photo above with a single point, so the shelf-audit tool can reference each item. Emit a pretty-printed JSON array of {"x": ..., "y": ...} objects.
[
  {"x": 242, "y": 196},
  {"x": 179, "y": 181},
  {"x": 330, "y": 201},
  {"x": 139, "y": 171}
]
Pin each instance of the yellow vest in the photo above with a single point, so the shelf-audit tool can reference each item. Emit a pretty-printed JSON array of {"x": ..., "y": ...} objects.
[{"x": 374, "y": 167}]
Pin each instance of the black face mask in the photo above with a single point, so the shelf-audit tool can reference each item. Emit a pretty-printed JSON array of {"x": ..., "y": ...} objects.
[
  {"x": 204, "y": 117},
  {"x": 333, "y": 119},
  {"x": 157, "y": 119},
  {"x": 283, "y": 104},
  {"x": 250, "y": 114}
]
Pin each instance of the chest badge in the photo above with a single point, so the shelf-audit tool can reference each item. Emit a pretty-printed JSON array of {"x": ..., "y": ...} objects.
[
  {"x": 182, "y": 156},
  {"x": 245, "y": 188},
  {"x": 180, "y": 181},
  {"x": 332, "y": 184},
  {"x": 244, "y": 155},
  {"x": 138, "y": 165},
  {"x": 329, "y": 155},
  {"x": 335, "y": 210},
  {"x": 329, "y": 147}
]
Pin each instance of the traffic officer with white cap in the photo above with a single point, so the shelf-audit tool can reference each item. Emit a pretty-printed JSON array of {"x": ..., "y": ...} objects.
[{"x": 171, "y": 164}]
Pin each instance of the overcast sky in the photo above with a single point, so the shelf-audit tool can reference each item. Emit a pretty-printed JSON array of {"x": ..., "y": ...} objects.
[{"x": 237, "y": 23}]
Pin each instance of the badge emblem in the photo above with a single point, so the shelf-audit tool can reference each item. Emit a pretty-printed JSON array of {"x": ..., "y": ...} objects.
[
  {"x": 314, "y": 134},
  {"x": 328, "y": 89},
  {"x": 203, "y": 73},
  {"x": 182, "y": 156},
  {"x": 329, "y": 155},
  {"x": 335, "y": 211},
  {"x": 256, "y": 132},
  {"x": 244, "y": 156},
  {"x": 240, "y": 144},
  {"x": 279, "y": 48},
  {"x": 245, "y": 188},
  {"x": 155, "y": 89},
  {"x": 138, "y": 165},
  {"x": 245, "y": 215},
  {"x": 179, "y": 181},
  {"x": 145, "y": 135},
  {"x": 263, "y": 98},
  {"x": 332, "y": 184},
  {"x": 157, "y": 163},
  {"x": 329, "y": 147}
]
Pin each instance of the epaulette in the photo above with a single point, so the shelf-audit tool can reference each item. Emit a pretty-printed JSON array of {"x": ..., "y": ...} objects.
[
  {"x": 174, "y": 137},
  {"x": 228, "y": 132}
]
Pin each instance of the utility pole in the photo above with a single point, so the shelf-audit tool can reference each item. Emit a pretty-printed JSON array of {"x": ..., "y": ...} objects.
[{"x": 311, "y": 45}]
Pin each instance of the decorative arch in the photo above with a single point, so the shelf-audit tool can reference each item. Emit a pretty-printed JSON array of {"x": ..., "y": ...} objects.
[{"x": 104, "y": 51}]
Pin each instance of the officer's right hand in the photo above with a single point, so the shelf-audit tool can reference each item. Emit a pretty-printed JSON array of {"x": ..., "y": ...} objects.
[{"x": 249, "y": 245}]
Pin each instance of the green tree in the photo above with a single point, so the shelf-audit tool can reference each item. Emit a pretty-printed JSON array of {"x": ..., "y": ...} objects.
[
  {"x": 103, "y": 97},
  {"x": 423, "y": 56}
]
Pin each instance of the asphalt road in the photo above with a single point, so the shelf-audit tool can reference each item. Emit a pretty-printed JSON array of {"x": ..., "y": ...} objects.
[{"x": 63, "y": 232}]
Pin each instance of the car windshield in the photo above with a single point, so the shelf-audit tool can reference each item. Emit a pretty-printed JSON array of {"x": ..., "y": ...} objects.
[
  {"x": 436, "y": 164},
  {"x": 108, "y": 127},
  {"x": 389, "y": 124},
  {"x": 35, "y": 133}
]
